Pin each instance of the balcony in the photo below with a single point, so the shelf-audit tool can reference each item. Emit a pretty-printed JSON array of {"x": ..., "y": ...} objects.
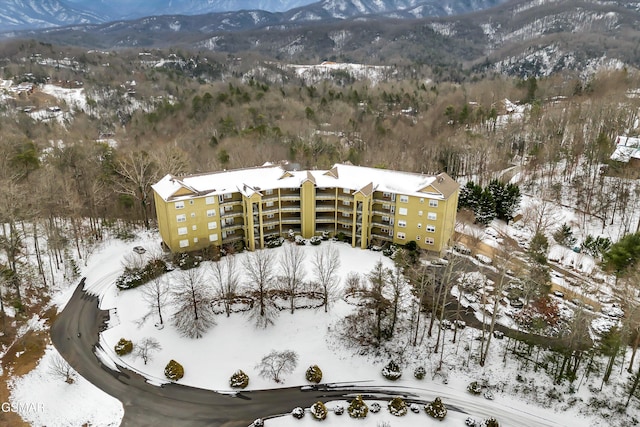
[
  {"x": 270, "y": 197},
  {"x": 290, "y": 208},
  {"x": 270, "y": 209},
  {"x": 232, "y": 238},
  {"x": 325, "y": 194},
  {"x": 270, "y": 221},
  {"x": 325, "y": 220},
  {"x": 232, "y": 227},
  {"x": 235, "y": 199},
  {"x": 232, "y": 210},
  {"x": 379, "y": 196},
  {"x": 290, "y": 194}
]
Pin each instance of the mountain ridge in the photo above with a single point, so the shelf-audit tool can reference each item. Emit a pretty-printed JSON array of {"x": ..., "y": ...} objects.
[{"x": 19, "y": 15}]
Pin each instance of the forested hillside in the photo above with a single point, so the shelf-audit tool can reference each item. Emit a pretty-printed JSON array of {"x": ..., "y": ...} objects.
[{"x": 90, "y": 131}]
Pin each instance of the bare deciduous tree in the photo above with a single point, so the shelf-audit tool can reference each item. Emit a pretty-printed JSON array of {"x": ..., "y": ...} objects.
[
  {"x": 145, "y": 349},
  {"x": 225, "y": 275},
  {"x": 137, "y": 171},
  {"x": 192, "y": 298},
  {"x": 277, "y": 363},
  {"x": 260, "y": 267},
  {"x": 59, "y": 368},
  {"x": 292, "y": 269},
  {"x": 156, "y": 294},
  {"x": 325, "y": 268}
]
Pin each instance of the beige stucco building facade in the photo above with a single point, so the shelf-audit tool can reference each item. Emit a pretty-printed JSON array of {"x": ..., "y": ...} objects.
[{"x": 367, "y": 205}]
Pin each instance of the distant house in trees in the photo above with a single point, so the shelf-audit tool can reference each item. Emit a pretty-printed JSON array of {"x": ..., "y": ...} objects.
[
  {"x": 367, "y": 206},
  {"x": 627, "y": 151}
]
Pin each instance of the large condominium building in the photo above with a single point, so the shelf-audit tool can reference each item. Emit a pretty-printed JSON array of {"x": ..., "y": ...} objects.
[{"x": 369, "y": 206}]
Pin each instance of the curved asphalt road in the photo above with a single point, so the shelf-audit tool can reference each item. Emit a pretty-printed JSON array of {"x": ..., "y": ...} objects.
[{"x": 178, "y": 405}]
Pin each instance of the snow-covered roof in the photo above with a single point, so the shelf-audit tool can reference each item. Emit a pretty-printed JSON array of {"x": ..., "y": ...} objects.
[
  {"x": 627, "y": 148},
  {"x": 270, "y": 177}
]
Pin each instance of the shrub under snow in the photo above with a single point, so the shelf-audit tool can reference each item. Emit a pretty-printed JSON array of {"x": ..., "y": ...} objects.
[
  {"x": 123, "y": 347},
  {"x": 419, "y": 372},
  {"x": 314, "y": 374},
  {"x": 174, "y": 371},
  {"x": 297, "y": 413},
  {"x": 357, "y": 408},
  {"x": 491, "y": 422},
  {"x": 239, "y": 379},
  {"x": 319, "y": 411},
  {"x": 392, "y": 371},
  {"x": 474, "y": 388},
  {"x": 398, "y": 407},
  {"x": 375, "y": 408},
  {"x": 436, "y": 409}
]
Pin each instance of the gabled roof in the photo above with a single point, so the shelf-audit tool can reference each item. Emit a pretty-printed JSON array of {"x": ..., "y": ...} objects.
[{"x": 270, "y": 177}]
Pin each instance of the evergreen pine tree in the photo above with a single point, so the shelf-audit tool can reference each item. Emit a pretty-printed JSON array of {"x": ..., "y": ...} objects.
[
  {"x": 486, "y": 209},
  {"x": 564, "y": 236}
]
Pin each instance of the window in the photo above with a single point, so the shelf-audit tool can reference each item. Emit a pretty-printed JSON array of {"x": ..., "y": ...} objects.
[
  {"x": 194, "y": 227},
  {"x": 228, "y": 208},
  {"x": 384, "y": 230},
  {"x": 402, "y": 223},
  {"x": 404, "y": 199},
  {"x": 210, "y": 200},
  {"x": 268, "y": 204},
  {"x": 195, "y": 240},
  {"x": 346, "y": 202},
  {"x": 268, "y": 192},
  {"x": 211, "y": 212},
  {"x": 179, "y": 205},
  {"x": 433, "y": 203},
  {"x": 386, "y": 194},
  {"x": 419, "y": 225},
  {"x": 393, "y": 209},
  {"x": 418, "y": 238},
  {"x": 228, "y": 195},
  {"x": 421, "y": 199},
  {"x": 213, "y": 237},
  {"x": 346, "y": 191},
  {"x": 181, "y": 218},
  {"x": 401, "y": 236},
  {"x": 212, "y": 225},
  {"x": 193, "y": 214},
  {"x": 191, "y": 202},
  {"x": 347, "y": 214},
  {"x": 231, "y": 232},
  {"x": 184, "y": 243},
  {"x": 182, "y": 231},
  {"x": 431, "y": 228},
  {"x": 346, "y": 226},
  {"x": 270, "y": 215},
  {"x": 419, "y": 213},
  {"x": 271, "y": 227},
  {"x": 432, "y": 216},
  {"x": 402, "y": 211},
  {"x": 228, "y": 221},
  {"x": 428, "y": 240},
  {"x": 385, "y": 218}
]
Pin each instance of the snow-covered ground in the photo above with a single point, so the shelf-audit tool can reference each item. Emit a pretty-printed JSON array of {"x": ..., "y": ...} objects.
[
  {"x": 45, "y": 399},
  {"x": 315, "y": 336}
]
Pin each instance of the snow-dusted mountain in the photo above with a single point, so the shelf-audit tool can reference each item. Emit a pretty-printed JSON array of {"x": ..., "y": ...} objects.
[
  {"x": 23, "y": 14},
  {"x": 139, "y": 8},
  {"x": 34, "y": 14}
]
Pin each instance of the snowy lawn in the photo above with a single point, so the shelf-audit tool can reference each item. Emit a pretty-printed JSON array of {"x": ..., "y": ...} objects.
[
  {"x": 235, "y": 343},
  {"x": 45, "y": 399}
]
